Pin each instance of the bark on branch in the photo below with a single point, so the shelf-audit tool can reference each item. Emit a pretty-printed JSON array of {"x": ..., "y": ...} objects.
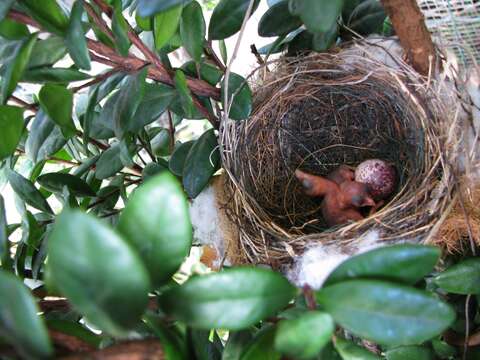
[{"x": 409, "y": 24}]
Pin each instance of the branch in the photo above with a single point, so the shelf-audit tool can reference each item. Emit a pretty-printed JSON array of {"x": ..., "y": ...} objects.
[{"x": 409, "y": 25}]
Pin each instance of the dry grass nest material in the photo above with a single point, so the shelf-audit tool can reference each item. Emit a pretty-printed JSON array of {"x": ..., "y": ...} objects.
[{"x": 315, "y": 113}]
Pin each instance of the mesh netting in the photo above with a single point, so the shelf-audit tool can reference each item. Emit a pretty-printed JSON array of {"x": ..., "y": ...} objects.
[{"x": 455, "y": 25}]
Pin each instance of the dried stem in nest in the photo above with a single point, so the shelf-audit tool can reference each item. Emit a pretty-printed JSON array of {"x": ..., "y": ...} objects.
[{"x": 317, "y": 112}]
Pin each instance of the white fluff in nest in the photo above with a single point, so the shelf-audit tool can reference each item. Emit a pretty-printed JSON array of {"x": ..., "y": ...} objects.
[
  {"x": 206, "y": 221},
  {"x": 314, "y": 266}
]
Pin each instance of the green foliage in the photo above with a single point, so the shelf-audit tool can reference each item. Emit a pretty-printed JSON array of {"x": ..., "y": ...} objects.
[{"x": 111, "y": 151}]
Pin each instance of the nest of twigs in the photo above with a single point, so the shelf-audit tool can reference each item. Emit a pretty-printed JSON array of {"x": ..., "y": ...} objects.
[{"x": 315, "y": 113}]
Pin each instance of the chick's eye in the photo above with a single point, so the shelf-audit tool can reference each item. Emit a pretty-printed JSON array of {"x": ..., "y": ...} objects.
[{"x": 356, "y": 200}]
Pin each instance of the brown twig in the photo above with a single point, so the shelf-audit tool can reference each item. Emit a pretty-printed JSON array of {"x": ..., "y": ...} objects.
[
  {"x": 171, "y": 130},
  {"x": 210, "y": 53},
  {"x": 97, "y": 19},
  {"x": 257, "y": 55},
  {"x": 97, "y": 79}
]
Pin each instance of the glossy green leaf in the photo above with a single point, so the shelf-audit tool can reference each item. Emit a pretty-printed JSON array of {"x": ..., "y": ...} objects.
[
  {"x": 5, "y": 260},
  {"x": 57, "y": 102},
  {"x": 367, "y": 18},
  {"x": 52, "y": 75},
  {"x": 48, "y": 14},
  {"x": 129, "y": 98},
  {"x": 462, "y": 278},
  {"x": 192, "y": 30},
  {"x": 317, "y": 15},
  {"x": 201, "y": 346},
  {"x": 236, "y": 344},
  {"x": 185, "y": 95},
  {"x": 156, "y": 100},
  {"x": 20, "y": 324},
  {"x": 410, "y": 352},
  {"x": 165, "y": 25},
  {"x": 12, "y": 30},
  {"x": 153, "y": 169},
  {"x": 144, "y": 23},
  {"x": 240, "y": 97},
  {"x": 443, "y": 350},
  {"x": 28, "y": 192},
  {"x": 227, "y": 18},
  {"x": 223, "y": 51},
  {"x": 278, "y": 21},
  {"x": 323, "y": 41},
  {"x": 160, "y": 143},
  {"x": 228, "y": 299},
  {"x": 47, "y": 52},
  {"x": 55, "y": 182},
  {"x": 120, "y": 29},
  {"x": 12, "y": 71},
  {"x": 148, "y": 8},
  {"x": 261, "y": 347},
  {"x": 179, "y": 156},
  {"x": 350, "y": 351},
  {"x": 11, "y": 128},
  {"x": 44, "y": 139},
  {"x": 5, "y": 6},
  {"x": 156, "y": 223},
  {"x": 294, "y": 337},
  {"x": 109, "y": 163},
  {"x": 208, "y": 72},
  {"x": 302, "y": 42},
  {"x": 202, "y": 161},
  {"x": 172, "y": 345},
  {"x": 102, "y": 277},
  {"x": 75, "y": 38},
  {"x": 76, "y": 330},
  {"x": 406, "y": 263},
  {"x": 368, "y": 307}
]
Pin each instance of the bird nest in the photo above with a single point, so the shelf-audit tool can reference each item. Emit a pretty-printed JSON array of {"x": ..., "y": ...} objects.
[{"x": 320, "y": 111}]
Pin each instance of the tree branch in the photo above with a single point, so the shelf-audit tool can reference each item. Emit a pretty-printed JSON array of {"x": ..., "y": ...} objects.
[{"x": 409, "y": 25}]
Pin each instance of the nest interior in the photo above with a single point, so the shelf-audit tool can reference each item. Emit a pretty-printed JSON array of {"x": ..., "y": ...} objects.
[{"x": 315, "y": 113}]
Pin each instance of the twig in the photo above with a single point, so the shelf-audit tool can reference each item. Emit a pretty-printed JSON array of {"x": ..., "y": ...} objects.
[
  {"x": 99, "y": 21},
  {"x": 210, "y": 53},
  {"x": 171, "y": 130},
  {"x": 226, "y": 104},
  {"x": 257, "y": 55},
  {"x": 467, "y": 327},
  {"x": 98, "y": 79}
]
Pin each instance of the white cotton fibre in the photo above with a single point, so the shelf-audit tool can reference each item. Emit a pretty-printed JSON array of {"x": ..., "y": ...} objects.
[{"x": 314, "y": 266}]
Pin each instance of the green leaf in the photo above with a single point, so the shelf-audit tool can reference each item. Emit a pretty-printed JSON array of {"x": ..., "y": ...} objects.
[
  {"x": 323, "y": 41},
  {"x": 367, "y": 18},
  {"x": 278, "y": 21},
  {"x": 443, "y": 350},
  {"x": 47, "y": 52},
  {"x": 102, "y": 277},
  {"x": 368, "y": 307},
  {"x": 13, "y": 70},
  {"x": 75, "y": 329},
  {"x": 44, "y": 139},
  {"x": 165, "y": 25},
  {"x": 5, "y": 259},
  {"x": 232, "y": 299},
  {"x": 223, "y": 51},
  {"x": 202, "y": 161},
  {"x": 179, "y": 156},
  {"x": 406, "y": 263},
  {"x": 462, "y": 278},
  {"x": 410, "y": 352},
  {"x": 120, "y": 29},
  {"x": 294, "y": 337},
  {"x": 349, "y": 351},
  {"x": 160, "y": 143},
  {"x": 27, "y": 191},
  {"x": 48, "y": 14},
  {"x": 55, "y": 182},
  {"x": 148, "y": 8},
  {"x": 317, "y": 15},
  {"x": 227, "y": 18},
  {"x": 109, "y": 163},
  {"x": 5, "y": 6},
  {"x": 184, "y": 93},
  {"x": 11, "y": 129},
  {"x": 192, "y": 30},
  {"x": 261, "y": 347},
  {"x": 156, "y": 223},
  {"x": 172, "y": 345},
  {"x": 75, "y": 38},
  {"x": 57, "y": 102},
  {"x": 208, "y": 72},
  {"x": 52, "y": 75},
  {"x": 236, "y": 344},
  {"x": 156, "y": 100},
  {"x": 128, "y": 99},
  {"x": 19, "y": 323},
  {"x": 239, "y": 91},
  {"x": 144, "y": 23},
  {"x": 12, "y": 30}
]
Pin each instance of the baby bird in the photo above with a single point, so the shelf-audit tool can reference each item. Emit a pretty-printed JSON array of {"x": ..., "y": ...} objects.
[
  {"x": 340, "y": 201},
  {"x": 341, "y": 174}
]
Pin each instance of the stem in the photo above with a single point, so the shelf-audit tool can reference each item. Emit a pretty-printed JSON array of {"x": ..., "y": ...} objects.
[
  {"x": 98, "y": 79},
  {"x": 171, "y": 130}
]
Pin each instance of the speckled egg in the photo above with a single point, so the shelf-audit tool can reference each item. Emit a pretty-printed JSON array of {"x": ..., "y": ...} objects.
[{"x": 380, "y": 176}]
